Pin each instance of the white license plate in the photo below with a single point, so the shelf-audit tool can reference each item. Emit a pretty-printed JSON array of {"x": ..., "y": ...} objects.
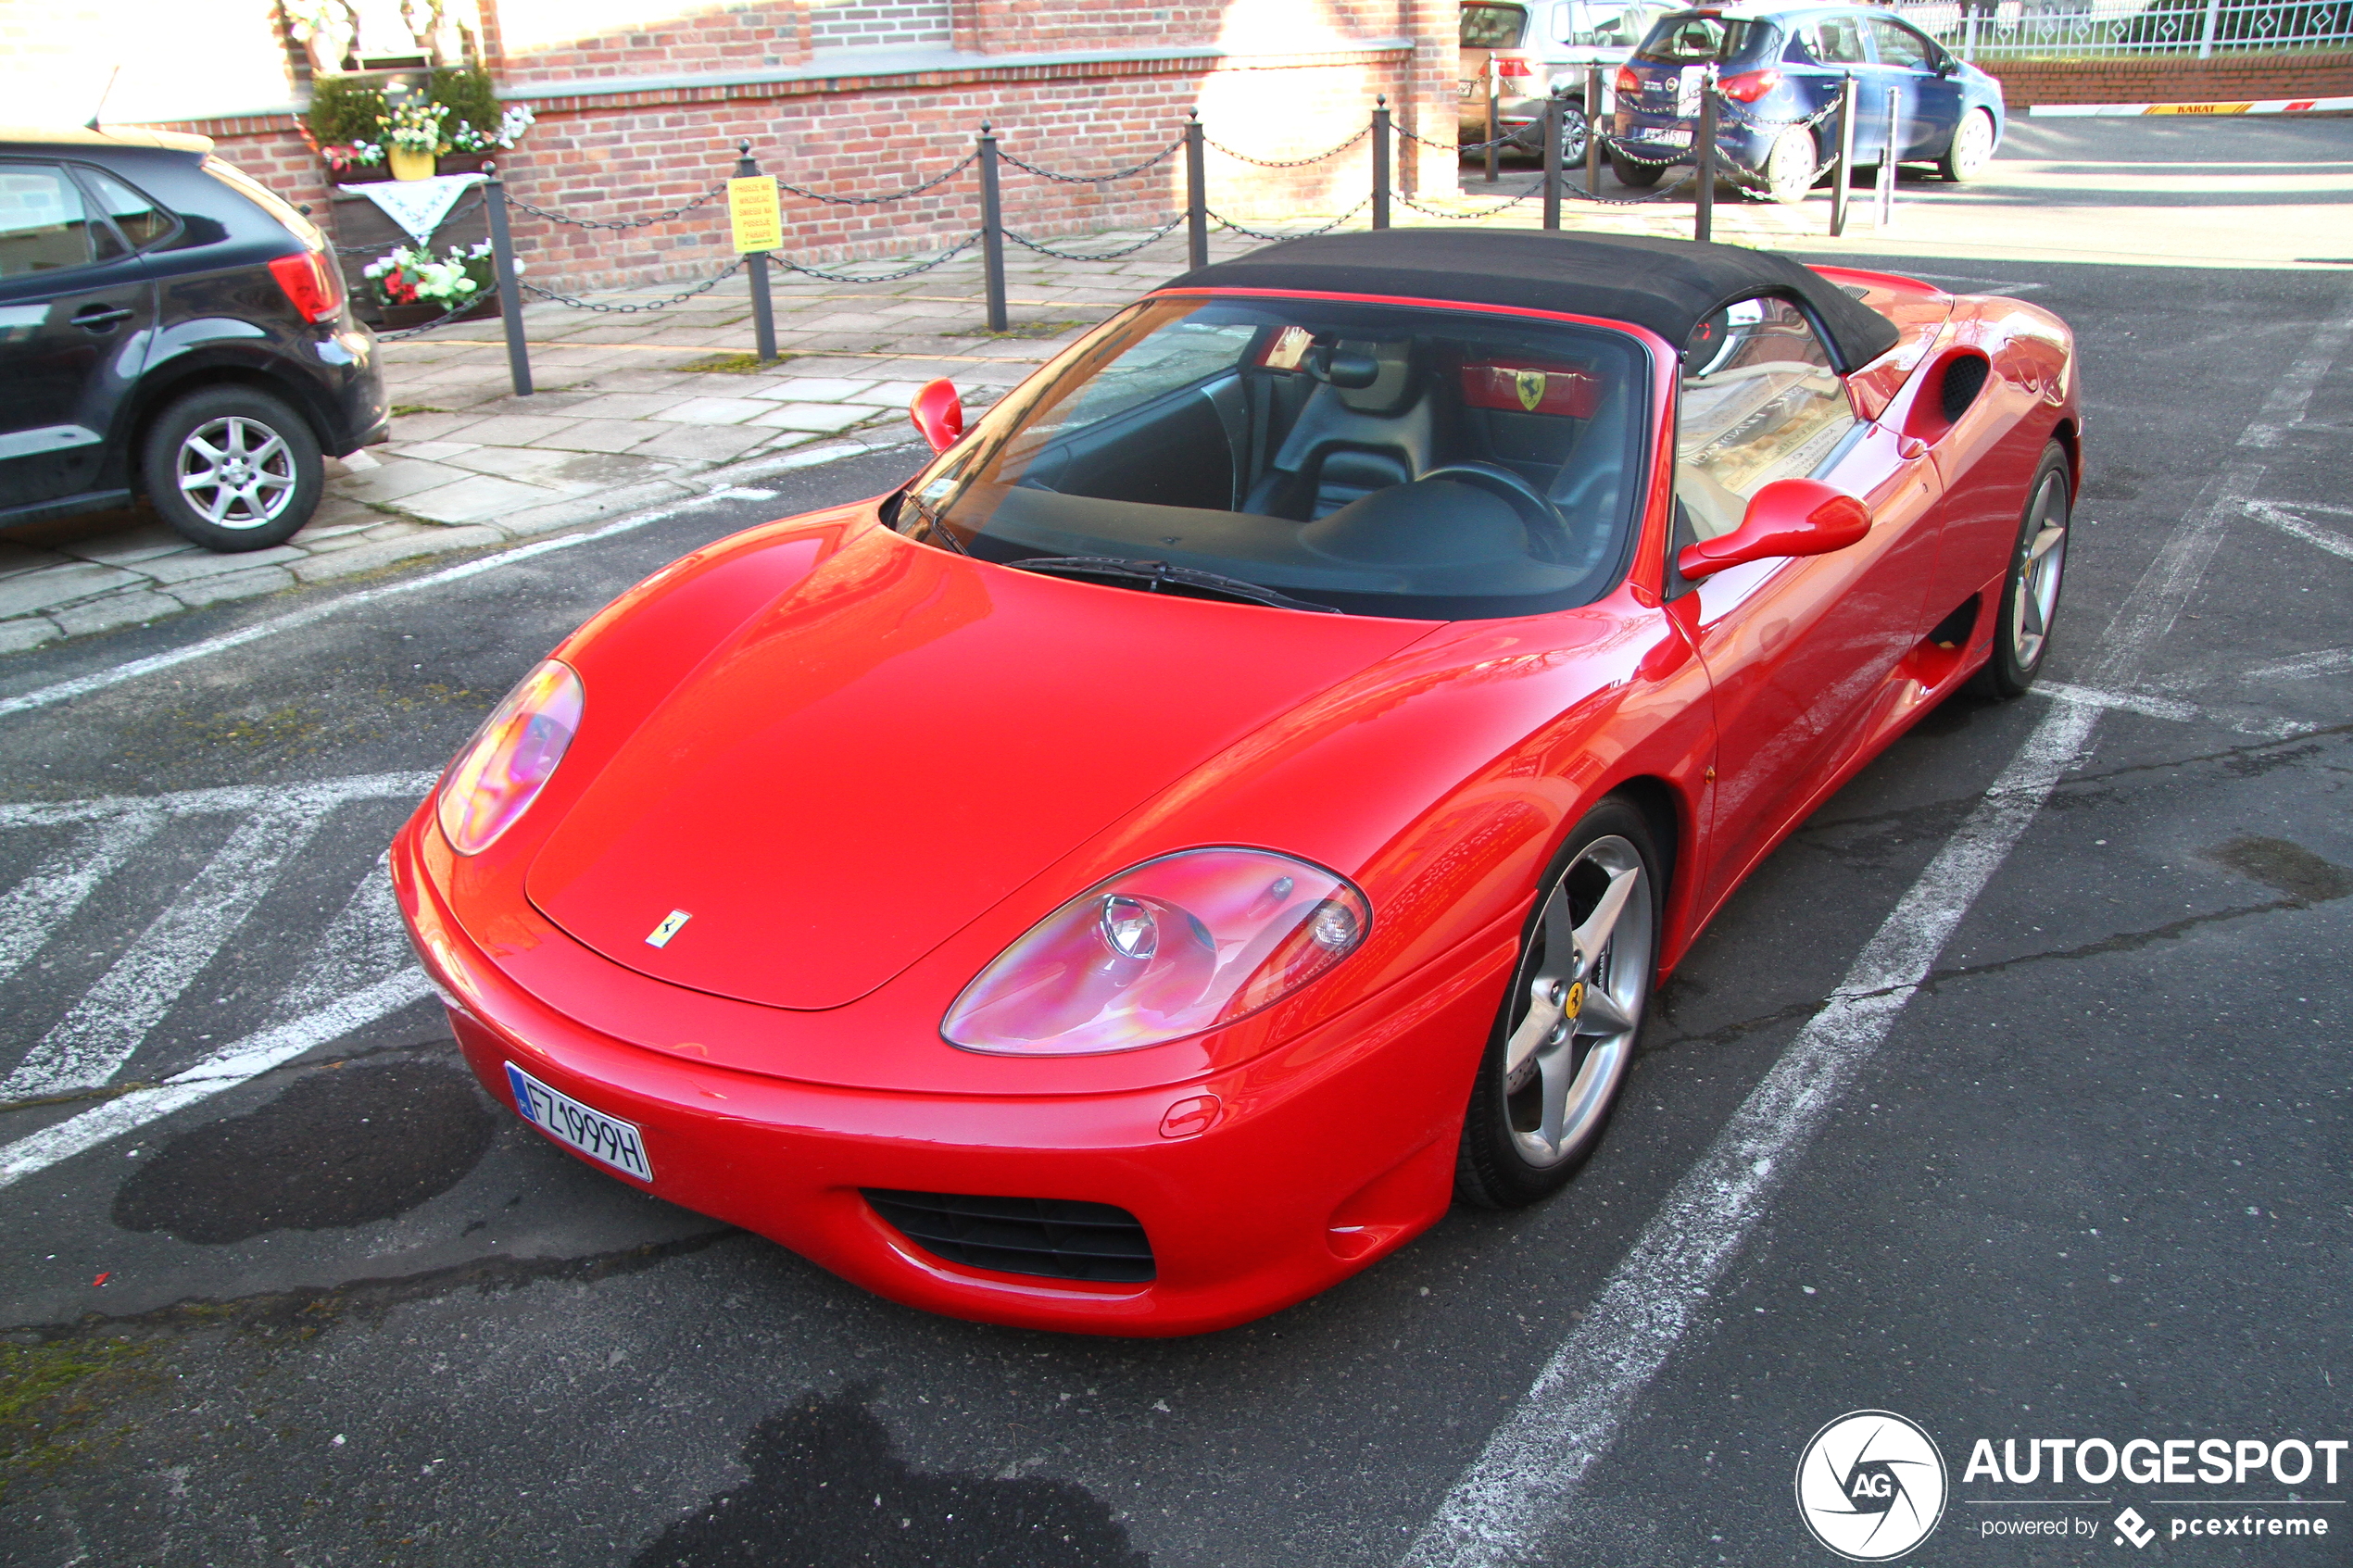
[{"x": 564, "y": 1119}]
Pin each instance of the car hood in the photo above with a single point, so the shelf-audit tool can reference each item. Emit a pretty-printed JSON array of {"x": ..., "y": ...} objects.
[{"x": 899, "y": 741}]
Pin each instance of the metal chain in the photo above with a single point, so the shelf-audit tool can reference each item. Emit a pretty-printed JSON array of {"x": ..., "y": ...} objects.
[
  {"x": 1089, "y": 178},
  {"x": 1288, "y": 163},
  {"x": 963, "y": 164},
  {"x": 944, "y": 256},
  {"x": 1460, "y": 146},
  {"x": 443, "y": 320},
  {"x": 704, "y": 287},
  {"x": 1812, "y": 119},
  {"x": 1310, "y": 233},
  {"x": 1483, "y": 212},
  {"x": 674, "y": 212},
  {"x": 1156, "y": 235},
  {"x": 1618, "y": 147}
]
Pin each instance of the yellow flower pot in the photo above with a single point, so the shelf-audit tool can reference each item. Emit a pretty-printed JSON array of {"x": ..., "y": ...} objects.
[{"x": 407, "y": 165}]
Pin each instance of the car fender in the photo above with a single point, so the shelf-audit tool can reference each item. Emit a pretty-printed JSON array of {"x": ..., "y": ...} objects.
[{"x": 218, "y": 349}]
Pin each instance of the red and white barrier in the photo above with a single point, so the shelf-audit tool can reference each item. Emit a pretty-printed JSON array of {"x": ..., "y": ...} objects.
[{"x": 2260, "y": 105}]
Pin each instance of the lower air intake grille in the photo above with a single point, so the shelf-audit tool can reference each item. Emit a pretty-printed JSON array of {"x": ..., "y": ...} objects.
[{"x": 1058, "y": 1237}]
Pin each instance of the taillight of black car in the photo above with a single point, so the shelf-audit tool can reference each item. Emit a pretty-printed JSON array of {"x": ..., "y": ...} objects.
[{"x": 312, "y": 282}]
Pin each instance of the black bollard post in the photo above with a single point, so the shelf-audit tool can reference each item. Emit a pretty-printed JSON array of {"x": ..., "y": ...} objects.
[
  {"x": 1552, "y": 161},
  {"x": 764, "y": 312},
  {"x": 992, "y": 232},
  {"x": 1845, "y": 179},
  {"x": 1196, "y": 195},
  {"x": 1593, "y": 128},
  {"x": 1380, "y": 161},
  {"x": 1494, "y": 112},
  {"x": 502, "y": 262},
  {"x": 1704, "y": 216}
]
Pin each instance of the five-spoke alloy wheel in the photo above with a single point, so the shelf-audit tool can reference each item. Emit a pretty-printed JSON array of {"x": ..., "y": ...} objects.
[
  {"x": 2030, "y": 593},
  {"x": 1566, "y": 1033}
]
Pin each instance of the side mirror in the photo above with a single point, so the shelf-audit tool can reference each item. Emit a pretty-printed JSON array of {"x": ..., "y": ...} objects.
[
  {"x": 1788, "y": 517},
  {"x": 939, "y": 414}
]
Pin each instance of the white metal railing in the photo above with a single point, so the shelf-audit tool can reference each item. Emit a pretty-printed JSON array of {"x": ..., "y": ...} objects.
[{"x": 2011, "y": 29}]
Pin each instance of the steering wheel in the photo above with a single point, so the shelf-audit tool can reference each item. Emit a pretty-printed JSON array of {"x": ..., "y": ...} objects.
[{"x": 1548, "y": 530}]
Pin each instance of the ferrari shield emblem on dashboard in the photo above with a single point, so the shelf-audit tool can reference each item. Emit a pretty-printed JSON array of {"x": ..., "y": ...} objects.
[
  {"x": 667, "y": 928},
  {"x": 1531, "y": 388}
]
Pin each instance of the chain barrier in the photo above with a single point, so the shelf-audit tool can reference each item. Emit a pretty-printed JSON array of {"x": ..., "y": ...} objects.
[
  {"x": 1288, "y": 163},
  {"x": 1224, "y": 222},
  {"x": 441, "y": 320},
  {"x": 789, "y": 264},
  {"x": 1157, "y": 235},
  {"x": 960, "y": 164},
  {"x": 704, "y": 287},
  {"x": 1742, "y": 120},
  {"x": 1499, "y": 143},
  {"x": 1535, "y": 190},
  {"x": 1029, "y": 167},
  {"x": 674, "y": 213}
]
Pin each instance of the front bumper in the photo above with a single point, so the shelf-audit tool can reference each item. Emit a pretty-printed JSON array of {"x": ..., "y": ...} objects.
[{"x": 1327, "y": 1153}]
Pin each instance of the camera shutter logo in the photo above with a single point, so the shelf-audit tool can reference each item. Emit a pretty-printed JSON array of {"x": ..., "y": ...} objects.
[{"x": 1872, "y": 1485}]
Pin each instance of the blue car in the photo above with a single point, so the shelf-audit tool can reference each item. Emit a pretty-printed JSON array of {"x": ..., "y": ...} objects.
[{"x": 1778, "y": 68}]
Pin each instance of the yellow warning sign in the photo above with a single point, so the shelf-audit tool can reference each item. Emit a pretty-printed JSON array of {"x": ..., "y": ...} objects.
[{"x": 753, "y": 212}]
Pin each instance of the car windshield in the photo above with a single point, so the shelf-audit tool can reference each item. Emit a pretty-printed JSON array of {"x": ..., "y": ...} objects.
[
  {"x": 1698, "y": 37},
  {"x": 1621, "y": 31},
  {"x": 1493, "y": 27},
  {"x": 1376, "y": 459}
]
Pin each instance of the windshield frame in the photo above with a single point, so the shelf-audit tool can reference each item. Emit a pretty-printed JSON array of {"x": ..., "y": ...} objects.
[{"x": 1648, "y": 478}]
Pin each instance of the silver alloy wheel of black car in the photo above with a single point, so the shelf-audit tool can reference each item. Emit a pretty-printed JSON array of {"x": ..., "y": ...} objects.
[
  {"x": 1971, "y": 147},
  {"x": 233, "y": 468},
  {"x": 1574, "y": 129},
  {"x": 1790, "y": 167},
  {"x": 237, "y": 473}
]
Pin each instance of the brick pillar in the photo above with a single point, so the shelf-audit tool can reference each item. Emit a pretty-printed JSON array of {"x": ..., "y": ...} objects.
[{"x": 1424, "y": 98}]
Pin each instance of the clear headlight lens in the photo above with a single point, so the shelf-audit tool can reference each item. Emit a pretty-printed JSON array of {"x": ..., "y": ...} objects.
[
  {"x": 510, "y": 758},
  {"x": 1177, "y": 945}
]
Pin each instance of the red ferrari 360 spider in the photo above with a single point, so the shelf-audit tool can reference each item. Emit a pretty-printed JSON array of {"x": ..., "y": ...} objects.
[{"x": 1241, "y": 794}]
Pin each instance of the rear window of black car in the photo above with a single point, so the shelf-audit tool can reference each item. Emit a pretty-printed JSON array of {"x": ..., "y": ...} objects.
[{"x": 1698, "y": 37}]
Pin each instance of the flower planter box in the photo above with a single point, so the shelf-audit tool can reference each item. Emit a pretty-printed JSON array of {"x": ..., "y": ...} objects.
[
  {"x": 396, "y": 317},
  {"x": 362, "y": 234}
]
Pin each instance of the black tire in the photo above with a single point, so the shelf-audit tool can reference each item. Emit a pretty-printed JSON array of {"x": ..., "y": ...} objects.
[
  {"x": 1629, "y": 172},
  {"x": 1507, "y": 1158},
  {"x": 211, "y": 431},
  {"x": 2031, "y": 589},
  {"x": 1971, "y": 148}
]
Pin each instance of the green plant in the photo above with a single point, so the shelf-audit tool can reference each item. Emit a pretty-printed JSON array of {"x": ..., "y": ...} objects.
[
  {"x": 343, "y": 111},
  {"x": 465, "y": 91}
]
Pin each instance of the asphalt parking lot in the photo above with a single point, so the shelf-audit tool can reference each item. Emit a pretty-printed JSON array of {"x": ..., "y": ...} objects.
[{"x": 2084, "y": 1176}]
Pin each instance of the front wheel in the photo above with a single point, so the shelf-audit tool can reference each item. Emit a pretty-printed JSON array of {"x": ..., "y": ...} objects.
[
  {"x": 1971, "y": 147},
  {"x": 1565, "y": 1036},
  {"x": 2030, "y": 593},
  {"x": 233, "y": 469}
]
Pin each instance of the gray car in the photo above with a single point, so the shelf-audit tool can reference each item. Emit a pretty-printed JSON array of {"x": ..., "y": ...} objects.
[{"x": 1541, "y": 48}]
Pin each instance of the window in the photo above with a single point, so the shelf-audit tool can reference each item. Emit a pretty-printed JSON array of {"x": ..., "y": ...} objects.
[
  {"x": 44, "y": 225},
  {"x": 141, "y": 221},
  {"x": 1493, "y": 27},
  {"x": 1697, "y": 37},
  {"x": 1760, "y": 402},
  {"x": 1900, "y": 46},
  {"x": 246, "y": 185},
  {"x": 1378, "y": 459},
  {"x": 1836, "y": 41}
]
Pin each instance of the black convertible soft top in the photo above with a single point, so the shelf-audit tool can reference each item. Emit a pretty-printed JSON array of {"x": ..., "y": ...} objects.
[{"x": 1667, "y": 285}]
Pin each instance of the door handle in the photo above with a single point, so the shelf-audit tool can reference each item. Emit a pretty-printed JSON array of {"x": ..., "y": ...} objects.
[{"x": 101, "y": 318}]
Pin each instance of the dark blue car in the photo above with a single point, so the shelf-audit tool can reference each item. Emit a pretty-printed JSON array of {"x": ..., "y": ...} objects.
[{"x": 1778, "y": 67}]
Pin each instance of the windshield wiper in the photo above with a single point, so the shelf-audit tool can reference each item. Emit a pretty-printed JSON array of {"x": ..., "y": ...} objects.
[
  {"x": 1159, "y": 571},
  {"x": 934, "y": 526}
]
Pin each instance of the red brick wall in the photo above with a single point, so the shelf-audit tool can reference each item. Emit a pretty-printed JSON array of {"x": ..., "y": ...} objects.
[{"x": 2173, "y": 79}]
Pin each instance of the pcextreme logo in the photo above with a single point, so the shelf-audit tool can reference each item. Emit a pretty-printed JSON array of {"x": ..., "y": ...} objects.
[{"x": 1870, "y": 1485}]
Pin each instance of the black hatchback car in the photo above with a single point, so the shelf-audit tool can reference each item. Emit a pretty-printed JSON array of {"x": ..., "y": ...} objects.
[{"x": 169, "y": 326}]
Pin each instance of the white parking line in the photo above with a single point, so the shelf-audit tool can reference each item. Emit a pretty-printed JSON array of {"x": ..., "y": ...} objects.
[
  {"x": 1534, "y": 1464},
  {"x": 2311, "y": 533},
  {"x": 31, "y": 911},
  {"x": 2303, "y": 666}
]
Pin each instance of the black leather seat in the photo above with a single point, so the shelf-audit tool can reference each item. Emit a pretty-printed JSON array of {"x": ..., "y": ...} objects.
[{"x": 1349, "y": 442}]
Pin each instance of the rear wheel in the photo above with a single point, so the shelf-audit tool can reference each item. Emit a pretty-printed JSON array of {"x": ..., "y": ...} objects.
[
  {"x": 233, "y": 469},
  {"x": 1565, "y": 1036},
  {"x": 2030, "y": 593},
  {"x": 1790, "y": 167},
  {"x": 1971, "y": 147},
  {"x": 1629, "y": 172}
]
